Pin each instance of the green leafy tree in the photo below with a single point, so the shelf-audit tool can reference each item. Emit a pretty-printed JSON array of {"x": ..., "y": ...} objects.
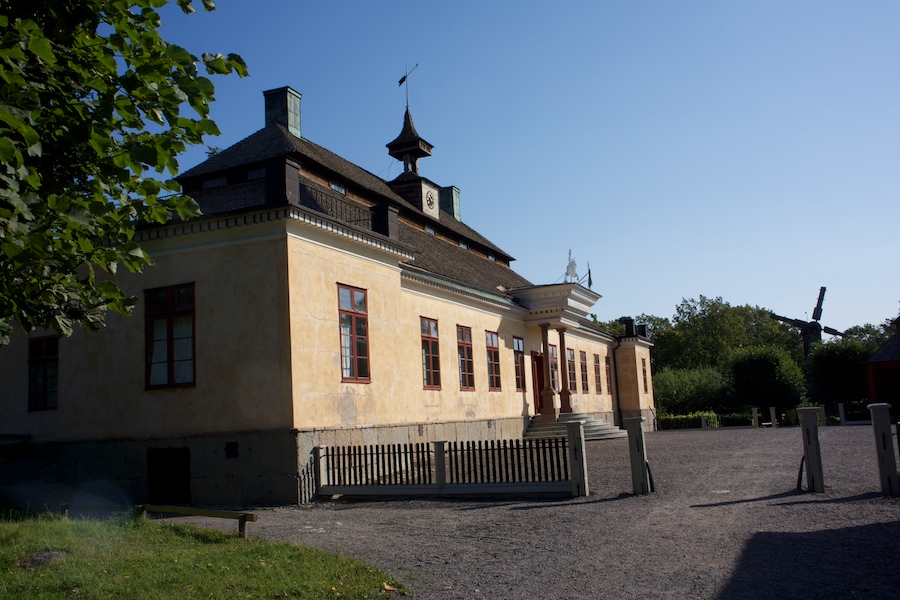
[
  {"x": 764, "y": 376},
  {"x": 91, "y": 123},
  {"x": 872, "y": 337},
  {"x": 706, "y": 331},
  {"x": 836, "y": 372}
]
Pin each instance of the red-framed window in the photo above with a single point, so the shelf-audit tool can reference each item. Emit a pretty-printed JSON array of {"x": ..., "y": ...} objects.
[
  {"x": 598, "y": 377},
  {"x": 170, "y": 337},
  {"x": 43, "y": 372},
  {"x": 354, "y": 328},
  {"x": 554, "y": 368},
  {"x": 519, "y": 357},
  {"x": 492, "y": 343},
  {"x": 584, "y": 372},
  {"x": 466, "y": 365},
  {"x": 570, "y": 370},
  {"x": 644, "y": 369},
  {"x": 431, "y": 359},
  {"x": 608, "y": 376}
]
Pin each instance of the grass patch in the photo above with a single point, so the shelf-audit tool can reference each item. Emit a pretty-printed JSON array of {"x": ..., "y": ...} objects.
[{"x": 143, "y": 559}]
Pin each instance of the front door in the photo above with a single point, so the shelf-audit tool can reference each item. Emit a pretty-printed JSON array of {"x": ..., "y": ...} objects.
[{"x": 537, "y": 376}]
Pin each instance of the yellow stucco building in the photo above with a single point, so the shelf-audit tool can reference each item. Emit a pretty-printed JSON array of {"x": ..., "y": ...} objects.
[{"x": 312, "y": 303}]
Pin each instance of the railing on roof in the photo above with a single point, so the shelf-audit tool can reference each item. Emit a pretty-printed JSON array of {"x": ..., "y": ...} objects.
[{"x": 334, "y": 205}]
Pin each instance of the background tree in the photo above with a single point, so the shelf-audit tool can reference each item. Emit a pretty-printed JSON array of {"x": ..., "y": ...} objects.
[
  {"x": 765, "y": 376},
  {"x": 835, "y": 372},
  {"x": 91, "y": 118}
]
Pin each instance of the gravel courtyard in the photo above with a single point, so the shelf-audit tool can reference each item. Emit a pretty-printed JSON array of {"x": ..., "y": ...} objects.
[{"x": 726, "y": 522}]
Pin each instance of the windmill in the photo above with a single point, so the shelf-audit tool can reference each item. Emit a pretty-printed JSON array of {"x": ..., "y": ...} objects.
[{"x": 810, "y": 330}]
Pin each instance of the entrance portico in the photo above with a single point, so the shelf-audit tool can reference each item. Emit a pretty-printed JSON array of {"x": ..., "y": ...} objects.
[{"x": 561, "y": 307}]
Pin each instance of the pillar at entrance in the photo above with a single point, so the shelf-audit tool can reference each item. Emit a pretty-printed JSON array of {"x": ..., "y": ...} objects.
[
  {"x": 565, "y": 394},
  {"x": 549, "y": 411}
]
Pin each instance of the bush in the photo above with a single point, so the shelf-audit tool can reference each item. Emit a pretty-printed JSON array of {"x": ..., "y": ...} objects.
[
  {"x": 836, "y": 372},
  {"x": 689, "y": 390},
  {"x": 690, "y": 421}
]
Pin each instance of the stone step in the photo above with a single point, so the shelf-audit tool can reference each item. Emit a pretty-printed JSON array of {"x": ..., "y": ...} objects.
[{"x": 594, "y": 428}]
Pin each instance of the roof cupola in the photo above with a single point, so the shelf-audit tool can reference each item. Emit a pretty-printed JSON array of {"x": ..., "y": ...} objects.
[
  {"x": 409, "y": 146},
  {"x": 283, "y": 108}
]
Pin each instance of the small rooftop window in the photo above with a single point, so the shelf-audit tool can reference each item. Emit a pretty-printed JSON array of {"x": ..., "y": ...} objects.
[
  {"x": 429, "y": 229},
  {"x": 464, "y": 245},
  {"x": 215, "y": 183},
  {"x": 256, "y": 173},
  {"x": 338, "y": 187},
  {"x": 491, "y": 257}
]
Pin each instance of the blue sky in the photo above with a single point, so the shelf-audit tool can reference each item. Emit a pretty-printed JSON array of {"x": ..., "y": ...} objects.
[{"x": 749, "y": 150}]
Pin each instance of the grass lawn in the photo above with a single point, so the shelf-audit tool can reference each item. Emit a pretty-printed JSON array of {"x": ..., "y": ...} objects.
[{"x": 127, "y": 558}]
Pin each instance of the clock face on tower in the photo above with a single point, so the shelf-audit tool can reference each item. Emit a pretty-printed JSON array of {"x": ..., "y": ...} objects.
[{"x": 429, "y": 199}]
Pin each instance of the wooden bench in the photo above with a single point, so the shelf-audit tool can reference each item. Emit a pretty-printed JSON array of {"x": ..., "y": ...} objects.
[{"x": 241, "y": 517}]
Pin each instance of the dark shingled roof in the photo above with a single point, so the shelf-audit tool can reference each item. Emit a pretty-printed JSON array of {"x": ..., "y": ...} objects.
[
  {"x": 889, "y": 352},
  {"x": 275, "y": 141},
  {"x": 449, "y": 260}
]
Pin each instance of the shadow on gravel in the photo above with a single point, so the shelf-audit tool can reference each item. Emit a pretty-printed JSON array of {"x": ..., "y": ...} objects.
[
  {"x": 760, "y": 499},
  {"x": 840, "y": 563},
  {"x": 570, "y": 504}
]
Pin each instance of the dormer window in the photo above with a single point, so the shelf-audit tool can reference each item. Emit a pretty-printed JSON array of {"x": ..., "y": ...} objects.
[
  {"x": 253, "y": 174},
  {"x": 464, "y": 245},
  {"x": 339, "y": 187},
  {"x": 215, "y": 183},
  {"x": 491, "y": 258},
  {"x": 429, "y": 229}
]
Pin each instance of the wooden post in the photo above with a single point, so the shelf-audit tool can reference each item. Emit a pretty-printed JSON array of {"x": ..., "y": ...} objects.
[
  {"x": 577, "y": 461},
  {"x": 815, "y": 479},
  {"x": 319, "y": 456},
  {"x": 884, "y": 447},
  {"x": 822, "y": 421},
  {"x": 702, "y": 421},
  {"x": 755, "y": 412},
  {"x": 841, "y": 413},
  {"x": 440, "y": 465},
  {"x": 640, "y": 475}
]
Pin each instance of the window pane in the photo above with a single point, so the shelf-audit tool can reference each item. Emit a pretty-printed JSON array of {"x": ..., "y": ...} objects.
[
  {"x": 184, "y": 371},
  {"x": 362, "y": 347},
  {"x": 156, "y": 301},
  {"x": 425, "y": 327},
  {"x": 359, "y": 301},
  {"x": 160, "y": 331},
  {"x": 363, "y": 364},
  {"x": 181, "y": 299},
  {"x": 183, "y": 349},
  {"x": 433, "y": 328},
  {"x": 160, "y": 352},
  {"x": 346, "y": 324},
  {"x": 183, "y": 327},
  {"x": 361, "y": 326},
  {"x": 344, "y": 295},
  {"x": 158, "y": 374}
]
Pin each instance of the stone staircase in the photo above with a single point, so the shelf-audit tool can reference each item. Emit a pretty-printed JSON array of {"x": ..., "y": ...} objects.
[{"x": 594, "y": 428}]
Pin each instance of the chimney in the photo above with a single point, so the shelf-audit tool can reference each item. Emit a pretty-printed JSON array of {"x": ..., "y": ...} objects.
[
  {"x": 449, "y": 198},
  {"x": 628, "y": 322},
  {"x": 283, "y": 108}
]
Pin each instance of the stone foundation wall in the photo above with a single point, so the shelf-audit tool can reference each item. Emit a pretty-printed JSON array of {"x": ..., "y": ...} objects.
[{"x": 247, "y": 468}]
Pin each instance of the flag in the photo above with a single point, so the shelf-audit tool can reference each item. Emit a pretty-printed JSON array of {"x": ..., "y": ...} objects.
[
  {"x": 402, "y": 79},
  {"x": 590, "y": 281}
]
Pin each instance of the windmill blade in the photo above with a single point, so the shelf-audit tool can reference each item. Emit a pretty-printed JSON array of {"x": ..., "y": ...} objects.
[
  {"x": 794, "y": 322},
  {"x": 832, "y": 331},
  {"x": 817, "y": 312}
]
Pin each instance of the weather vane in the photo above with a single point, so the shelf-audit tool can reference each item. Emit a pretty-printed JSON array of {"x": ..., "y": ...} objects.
[{"x": 404, "y": 80}]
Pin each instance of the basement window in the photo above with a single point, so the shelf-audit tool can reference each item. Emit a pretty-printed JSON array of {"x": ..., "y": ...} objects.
[{"x": 339, "y": 187}]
